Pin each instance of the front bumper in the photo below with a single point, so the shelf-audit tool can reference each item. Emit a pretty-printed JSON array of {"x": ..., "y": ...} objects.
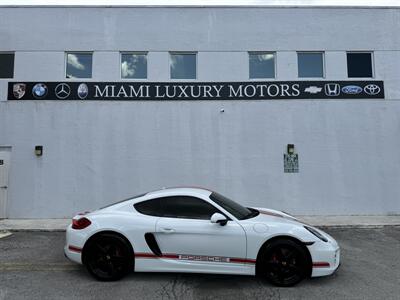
[{"x": 325, "y": 257}]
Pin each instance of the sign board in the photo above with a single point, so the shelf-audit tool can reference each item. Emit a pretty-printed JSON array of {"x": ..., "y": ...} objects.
[
  {"x": 162, "y": 91},
  {"x": 291, "y": 163}
]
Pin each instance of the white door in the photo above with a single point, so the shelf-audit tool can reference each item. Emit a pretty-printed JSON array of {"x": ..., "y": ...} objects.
[
  {"x": 202, "y": 240},
  {"x": 4, "y": 167},
  {"x": 187, "y": 234}
]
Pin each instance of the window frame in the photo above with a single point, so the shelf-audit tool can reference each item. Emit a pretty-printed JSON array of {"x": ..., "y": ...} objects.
[
  {"x": 323, "y": 65},
  {"x": 162, "y": 214},
  {"x": 137, "y": 53},
  {"x": 371, "y": 52},
  {"x": 13, "y": 71},
  {"x": 274, "y": 53},
  {"x": 170, "y": 53},
  {"x": 66, "y": 63}
]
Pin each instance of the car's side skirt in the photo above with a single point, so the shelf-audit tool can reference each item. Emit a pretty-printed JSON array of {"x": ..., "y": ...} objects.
[{"x": 148, "y": 262}]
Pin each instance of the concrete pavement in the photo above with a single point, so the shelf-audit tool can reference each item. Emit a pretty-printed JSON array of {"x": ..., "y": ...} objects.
[{"x": 32, "y": 266}]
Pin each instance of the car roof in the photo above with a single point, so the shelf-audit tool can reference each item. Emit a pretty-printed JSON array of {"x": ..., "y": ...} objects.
[{"x": 190, "y": 190}]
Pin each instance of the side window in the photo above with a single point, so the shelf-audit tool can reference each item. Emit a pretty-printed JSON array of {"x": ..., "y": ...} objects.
[
  {"x": 6, "y": 65},
  {"x": 150, "y": 207},
  {"x": 187, "y": 208}
]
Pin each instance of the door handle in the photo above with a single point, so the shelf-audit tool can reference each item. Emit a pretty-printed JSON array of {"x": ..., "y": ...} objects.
[
  {"x": 167, "y": 230},
  {"x": 3, "y": 187}
]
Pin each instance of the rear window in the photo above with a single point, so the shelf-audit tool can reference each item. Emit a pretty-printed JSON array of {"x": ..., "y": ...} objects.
[{"x": 150, "y": 207}]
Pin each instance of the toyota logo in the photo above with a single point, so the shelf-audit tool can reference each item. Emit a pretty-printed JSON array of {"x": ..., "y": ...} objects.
[
  {"x": 372, "y": 89},
  {"x": 62, "y": 90}
]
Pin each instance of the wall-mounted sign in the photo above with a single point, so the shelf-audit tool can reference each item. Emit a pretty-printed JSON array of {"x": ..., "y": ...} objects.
[
  {"x": 142, "y": 91},
  {"x": 291, "y": 163}
]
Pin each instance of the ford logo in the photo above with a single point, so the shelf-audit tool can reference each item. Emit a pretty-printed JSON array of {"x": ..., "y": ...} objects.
[{"x": 352, "y": 89}]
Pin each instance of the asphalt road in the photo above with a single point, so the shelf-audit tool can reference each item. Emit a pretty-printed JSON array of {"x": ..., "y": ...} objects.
[{"x": 32, "y": 266}]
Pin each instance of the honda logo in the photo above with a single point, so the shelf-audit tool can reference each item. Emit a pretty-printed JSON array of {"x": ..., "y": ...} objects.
[{"x": 332, "y": 89}]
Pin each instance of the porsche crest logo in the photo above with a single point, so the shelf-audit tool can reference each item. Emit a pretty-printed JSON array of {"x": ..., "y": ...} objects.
[{"x": 19, "y": 90}]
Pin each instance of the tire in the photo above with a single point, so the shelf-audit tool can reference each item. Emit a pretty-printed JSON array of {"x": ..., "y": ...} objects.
[
  {"x": 108, "y": 257},
  {"x": 284, "y": 262}
]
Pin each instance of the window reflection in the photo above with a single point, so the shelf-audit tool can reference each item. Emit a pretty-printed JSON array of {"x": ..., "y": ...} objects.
[
  {"x": 262, "y": 64},
  {"x": 79, "y": 65},
  {"x": 310, "y": 64},
  {"x": 133, "y": 65},
  {"x": 183, "y": 66}
]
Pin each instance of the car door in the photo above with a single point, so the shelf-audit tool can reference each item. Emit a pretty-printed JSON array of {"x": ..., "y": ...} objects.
[{"x": 185, "y": 232}]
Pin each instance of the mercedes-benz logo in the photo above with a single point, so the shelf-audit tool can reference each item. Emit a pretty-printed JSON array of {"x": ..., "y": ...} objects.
[
  {"x": 372, "y": 89},
  {"x": 62, "y": 90}
]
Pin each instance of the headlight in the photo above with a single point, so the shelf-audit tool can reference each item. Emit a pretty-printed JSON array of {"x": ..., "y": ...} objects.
[{"x": 316, "y": 233}]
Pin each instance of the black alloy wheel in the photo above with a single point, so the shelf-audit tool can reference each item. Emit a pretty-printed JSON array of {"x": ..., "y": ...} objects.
[
  {"x": 285, "y": 263},
  {"x": 108, "y": 257}
]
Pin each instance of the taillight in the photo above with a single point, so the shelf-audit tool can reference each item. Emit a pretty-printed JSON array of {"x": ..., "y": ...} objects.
[{"x": 80, "y": 223}]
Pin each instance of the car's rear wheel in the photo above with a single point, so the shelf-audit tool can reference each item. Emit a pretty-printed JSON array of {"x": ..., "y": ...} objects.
[
  {"x": 284, "y": 262},
  {"x": 108, "y": 257}
]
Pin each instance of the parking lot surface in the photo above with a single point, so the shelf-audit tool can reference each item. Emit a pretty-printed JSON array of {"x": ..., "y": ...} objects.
[{"x": 32, "y": 266}]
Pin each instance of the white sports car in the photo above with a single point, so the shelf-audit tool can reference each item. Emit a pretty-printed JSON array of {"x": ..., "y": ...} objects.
[{"x": 200, "y": 231}]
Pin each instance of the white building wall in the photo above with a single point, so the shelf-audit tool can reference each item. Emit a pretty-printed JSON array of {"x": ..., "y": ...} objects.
[{"x": 99, "y": 152}]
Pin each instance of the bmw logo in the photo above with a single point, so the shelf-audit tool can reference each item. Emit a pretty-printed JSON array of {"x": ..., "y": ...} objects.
[
  {"x": 83, "y": 91},
  {"x": 39, "y": 90}
]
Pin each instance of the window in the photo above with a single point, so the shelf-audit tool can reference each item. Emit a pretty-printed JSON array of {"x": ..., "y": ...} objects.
[
  {"x": 6, "y": 65},
  {"x": 150, "y": 207},
  {"x": 234, "y": 208},
  {"x": 184, "y": 207},
  {"x": 310, "y": 64},
  {"x": 262, "y": 64},
  {"x": 183, "y": 65},
  {"x": 79, "y": 65},
  {"x": 359, "y": 64},
  {"x": 134, "y": 65},
  {"x": 187, "y": 208}
]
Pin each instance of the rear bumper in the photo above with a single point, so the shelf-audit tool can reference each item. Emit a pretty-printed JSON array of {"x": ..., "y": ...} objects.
[
  {"x": 73, "y": 253},
  {"x": 73, "y": 246}
]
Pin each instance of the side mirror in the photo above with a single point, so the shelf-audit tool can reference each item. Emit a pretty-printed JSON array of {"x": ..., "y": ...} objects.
[{"x": 219, "y": 218}]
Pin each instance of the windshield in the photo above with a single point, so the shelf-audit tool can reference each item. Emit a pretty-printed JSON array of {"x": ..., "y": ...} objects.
[{"x": 240, "y": 212}]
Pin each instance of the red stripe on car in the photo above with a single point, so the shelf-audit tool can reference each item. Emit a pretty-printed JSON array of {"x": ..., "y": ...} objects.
[
  {"x": 321, "y": 264},
  {"x": 75, "y": 249},
  {"x": 197, "y": 258}
]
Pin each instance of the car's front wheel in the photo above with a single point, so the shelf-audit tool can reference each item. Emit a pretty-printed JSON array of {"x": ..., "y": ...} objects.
[
  {"x": 108, "y": 257},
  {"x": 284, "y": 262}
]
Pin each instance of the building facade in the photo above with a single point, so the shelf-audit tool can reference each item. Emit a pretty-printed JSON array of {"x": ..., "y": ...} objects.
[{"x": 290, "y": 108}]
